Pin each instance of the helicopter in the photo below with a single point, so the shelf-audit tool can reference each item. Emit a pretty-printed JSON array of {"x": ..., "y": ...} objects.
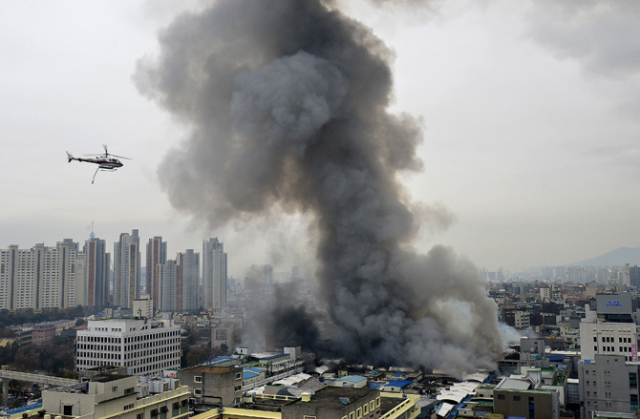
[{"x": 106, "y": 162}]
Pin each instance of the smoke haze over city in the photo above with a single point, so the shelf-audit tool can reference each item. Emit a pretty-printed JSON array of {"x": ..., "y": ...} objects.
[{"x": 288, "y": 107}]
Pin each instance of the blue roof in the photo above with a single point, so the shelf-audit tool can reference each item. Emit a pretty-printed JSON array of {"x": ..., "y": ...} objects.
[
  {"x": 24, "y": 409},
  {"x": 248, "y": 374},
  {"x": 352, "y": 378},
  {"x": 274, "y": 357},
  {"x": 398, "y": 374},
  {"x": 375, "y": 386},
  {"x": 256, "y": 370},
  {"x": 399, "y": 383}
]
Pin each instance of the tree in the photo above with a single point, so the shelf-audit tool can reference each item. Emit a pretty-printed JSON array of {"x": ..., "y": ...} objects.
[
  {"x": 80, "y": 322},
  {"x": 198, "y": 355}
]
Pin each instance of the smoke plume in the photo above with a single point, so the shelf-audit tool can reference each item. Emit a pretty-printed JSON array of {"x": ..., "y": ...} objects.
[{"x": 287, "y": 102}]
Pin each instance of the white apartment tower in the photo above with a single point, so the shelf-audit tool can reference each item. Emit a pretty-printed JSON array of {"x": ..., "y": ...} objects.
[
  {"x": 42, "y": 277},
  {"x": 156, "y": 256},
  {"x": 126, "y": 270},
  {"x": 167, "y": 293},
  {"x": 214, "y": 274},
  {"x": 145, "y": 347},
  {"x": 188, "y": 280},
  {"x": 97, "y": 272}
]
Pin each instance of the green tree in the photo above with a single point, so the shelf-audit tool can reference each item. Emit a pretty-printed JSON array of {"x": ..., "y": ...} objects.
[{"x": 198, "y": 355}]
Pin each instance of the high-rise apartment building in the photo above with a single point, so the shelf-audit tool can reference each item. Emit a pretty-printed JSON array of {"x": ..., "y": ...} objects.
[
  {"x": 156, "y": 256},
  {"x": 97, "y": 272},
  {"x": 126, "y": 270},
  {"x": 167, "y": 292},
  {"x": 188, "y": 280},
  {"x": 214, "y": 274},
  {"x": 42, "y": 277},
  {"x": 145, "y": 347}
]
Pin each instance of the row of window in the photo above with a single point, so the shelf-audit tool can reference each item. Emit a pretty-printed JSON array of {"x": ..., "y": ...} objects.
[{"x": 611, "y": 339}]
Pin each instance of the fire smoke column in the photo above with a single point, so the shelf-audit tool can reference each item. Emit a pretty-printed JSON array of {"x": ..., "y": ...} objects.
[{"x": 287, "y": 104}]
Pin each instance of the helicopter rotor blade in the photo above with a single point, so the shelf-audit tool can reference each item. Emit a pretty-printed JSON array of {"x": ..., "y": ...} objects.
[{"x": 121, "y": 157}]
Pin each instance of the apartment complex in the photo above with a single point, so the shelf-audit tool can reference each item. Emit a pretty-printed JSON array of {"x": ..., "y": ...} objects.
[
  {"x": 126, "y": 270},
  {"x": 156, "y": 256},
  {"x": 188, "y": 280},
  {"x": 145, "y": 347},
  {"x": 214, "y": 274},
  {"x": 42, "y": 277},
  {"x": 97, "y": 272}
]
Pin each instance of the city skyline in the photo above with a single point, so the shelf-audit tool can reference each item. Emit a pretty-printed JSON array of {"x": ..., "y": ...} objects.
[{"x": 529, "y": 140}]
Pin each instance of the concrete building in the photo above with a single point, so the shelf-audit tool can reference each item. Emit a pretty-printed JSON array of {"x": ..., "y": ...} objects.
[
  {"x": 213, "y": 386},
  {"x": 608, "y": 384},
  {"x": 43, "y": 333},
  {"x": 143, "y": 307},
  {"x": 97, "y": 273},
  {"x": 156, "y": 256},
  {"x": 112, "y": 395},
  {"x": 223, "y": 334},
  {"x": 523, "y": 397},
  {"x": 522, "y": 319},
  {"x": 611, "y": 329},
  {"x": 188, "y": 280},
  {"x": 214, "y": 274},
  {"x": 145, "y": 347},
  {"x": 126, "y": 270},
  {"x": 335, "y": 403}
]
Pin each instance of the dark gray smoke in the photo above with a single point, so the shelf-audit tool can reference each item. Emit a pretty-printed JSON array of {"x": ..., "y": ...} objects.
[{"x": 287, "y": 102}]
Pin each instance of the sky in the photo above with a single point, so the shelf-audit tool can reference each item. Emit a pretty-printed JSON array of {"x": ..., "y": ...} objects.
[{"x": 530, "y": 113}]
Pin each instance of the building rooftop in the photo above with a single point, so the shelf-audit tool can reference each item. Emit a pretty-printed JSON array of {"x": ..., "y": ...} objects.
[
  {"x": 210, "y": 369},
  {"x": 105, "y": 378},
  {"x": 329, "y": 397}
]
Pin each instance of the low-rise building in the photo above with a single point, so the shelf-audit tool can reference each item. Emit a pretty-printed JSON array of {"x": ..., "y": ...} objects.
[
  {"x": 213, "y": 386},
  {"x": 112, "y": 395}
]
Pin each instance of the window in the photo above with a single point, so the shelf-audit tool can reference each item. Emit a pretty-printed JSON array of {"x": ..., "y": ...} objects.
[
  {"x": 154, "y": 413},
  {"x": 114, "y": 389},
  {"x": 352, "y": 415},
  {"x": 238, "y": 376},
  {"x": 365, "y": 409},
  {"x": 140, "y": 416},
  {"x": 129, "y": 390},
  {"x": 197, "y": 392},
  {"x": 129, "y": 406},
  {"x": 309, "y": 417},
  {"x": 516, "y": 398},
  {"x": 501, "y": 397},
  {"x": 197, "y": 379},
  {"x": 68, "y": 410},
  {"x": 633, "y": 380},
  {"x": 372, "y": 406},
  {"x": 634, "y": 402},
  {"x": 359, "y": 412}
]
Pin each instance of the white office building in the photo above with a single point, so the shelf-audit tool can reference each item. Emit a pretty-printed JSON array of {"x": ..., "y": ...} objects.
[
  {"x": 611, "y": 329},
  {"x": 214, "y": 274},
  {"x": 145, "y": 347}
]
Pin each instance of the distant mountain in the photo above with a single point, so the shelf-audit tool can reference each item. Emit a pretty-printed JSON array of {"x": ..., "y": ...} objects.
[{"x": 618, "y": 257}]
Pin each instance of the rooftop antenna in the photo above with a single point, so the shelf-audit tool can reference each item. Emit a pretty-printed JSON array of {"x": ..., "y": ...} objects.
[{"x": 92, "y": 235}]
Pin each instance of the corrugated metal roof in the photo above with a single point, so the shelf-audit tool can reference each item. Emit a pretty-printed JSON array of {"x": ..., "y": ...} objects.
[{"x": 399, "y": 383}]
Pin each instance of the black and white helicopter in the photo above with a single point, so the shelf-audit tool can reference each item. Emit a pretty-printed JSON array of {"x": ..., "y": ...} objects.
[{"x": 106, "y": 162}]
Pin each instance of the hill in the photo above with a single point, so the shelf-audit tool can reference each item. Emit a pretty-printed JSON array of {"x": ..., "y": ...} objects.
[{"x": 618, "y": 257}]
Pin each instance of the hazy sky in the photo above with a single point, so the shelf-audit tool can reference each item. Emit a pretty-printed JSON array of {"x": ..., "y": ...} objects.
[{"x": 531, "y": 113}]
